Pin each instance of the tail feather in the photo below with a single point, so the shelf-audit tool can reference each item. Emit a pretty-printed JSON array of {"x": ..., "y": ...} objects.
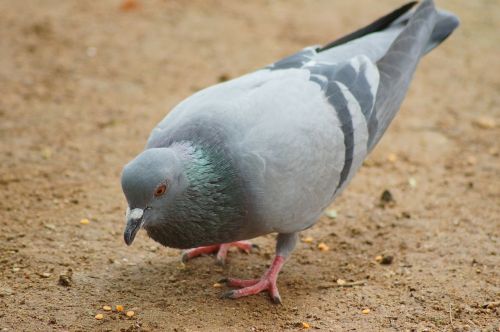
[
  {"x": 426, "y": 28},
  {"x": 446, "y": 22},
  {"x": 376, "y": 26}
]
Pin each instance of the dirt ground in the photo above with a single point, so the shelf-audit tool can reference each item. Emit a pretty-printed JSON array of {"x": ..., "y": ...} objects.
[{"x": 83, "y": 83}]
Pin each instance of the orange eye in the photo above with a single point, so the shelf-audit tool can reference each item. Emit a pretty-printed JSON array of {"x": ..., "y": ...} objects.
[{"x": 160, "y": 190}]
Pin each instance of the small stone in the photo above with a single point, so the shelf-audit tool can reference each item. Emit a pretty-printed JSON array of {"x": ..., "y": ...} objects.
[
  {"x": 412, "y": 182},
  {"x": 106, "y": 308},
  {"x": 84, "y": 221},
  {"x": 45, "y": 275},
  {"x": 99, "y": 316},
  {"x": 366, "y": 311},
  {"x": 6, "y": 291},
  {"x": 130, "y": 313},
  {"x": 223, "y": 78},
  {"x": 384, "y": 259},
  {"x": 64, "y": 280},
  {"x": 386, "y": 199},
  {"x": 406, "y": 214},
  {"x": 52, "y": 227},
  {"x": 341, "y": 282}
]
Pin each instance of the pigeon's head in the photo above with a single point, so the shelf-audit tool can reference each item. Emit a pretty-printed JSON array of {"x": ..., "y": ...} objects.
[{"x": 150, "y": 183}]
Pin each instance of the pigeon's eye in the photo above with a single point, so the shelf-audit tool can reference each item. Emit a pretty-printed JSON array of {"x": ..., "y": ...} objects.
[{"x": 160, "y": 190}]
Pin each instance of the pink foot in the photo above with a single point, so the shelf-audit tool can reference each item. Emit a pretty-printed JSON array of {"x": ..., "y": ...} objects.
[
  {"x": 255, "y": 286},
  {"x": 220, "y": 249}
]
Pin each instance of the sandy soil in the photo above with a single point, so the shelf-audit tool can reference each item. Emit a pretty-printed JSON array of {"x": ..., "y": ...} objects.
[{"x": 83, "y": 83}]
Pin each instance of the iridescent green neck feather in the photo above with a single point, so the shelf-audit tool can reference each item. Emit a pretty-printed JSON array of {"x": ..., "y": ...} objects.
[{"x": 211, "y": 209}]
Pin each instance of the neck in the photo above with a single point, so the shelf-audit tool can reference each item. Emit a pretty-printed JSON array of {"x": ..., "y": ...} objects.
[{"x": 211, "y": 208}]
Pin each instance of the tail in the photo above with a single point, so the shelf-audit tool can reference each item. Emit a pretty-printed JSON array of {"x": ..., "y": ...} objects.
[
  {"x": 425, "y": 28},
  {"x": 446, "y": 22}
]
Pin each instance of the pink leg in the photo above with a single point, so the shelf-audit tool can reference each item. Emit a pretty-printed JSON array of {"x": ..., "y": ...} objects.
[
  {"x": 220, "y": 249},
  {"x": 255, "y": 286}
]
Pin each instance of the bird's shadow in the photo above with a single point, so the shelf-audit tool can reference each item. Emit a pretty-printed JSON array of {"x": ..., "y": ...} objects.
[{"x": 162, "y": 280}]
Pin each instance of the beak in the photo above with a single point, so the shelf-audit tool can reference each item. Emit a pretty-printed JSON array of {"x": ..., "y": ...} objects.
[{"x": 134, "y": 223}]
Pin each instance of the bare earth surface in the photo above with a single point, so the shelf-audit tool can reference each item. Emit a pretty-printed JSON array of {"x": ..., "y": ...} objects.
[{"x": 83, "y": 82}]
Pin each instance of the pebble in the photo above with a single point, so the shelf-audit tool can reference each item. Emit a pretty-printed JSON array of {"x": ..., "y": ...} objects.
[
  {"x": 130, "y": 313},
  {"x": 99, "y": 316},
  {"x": 106, "y": 308},
  {"x": 366, "y": 311},
  {"x": 412, "y": 182},
  {"x": 384, "y": 259},
  {"x": 84, "y": 221}
]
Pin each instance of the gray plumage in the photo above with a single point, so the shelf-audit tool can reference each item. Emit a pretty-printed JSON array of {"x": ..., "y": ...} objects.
[{"x": 269, "y": 151}]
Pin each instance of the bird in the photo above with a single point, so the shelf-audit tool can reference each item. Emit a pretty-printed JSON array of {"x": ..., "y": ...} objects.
[{"x": 269, "y": 151}]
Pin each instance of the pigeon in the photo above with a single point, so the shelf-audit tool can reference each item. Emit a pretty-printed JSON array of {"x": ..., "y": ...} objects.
[{"x": 269, "y": 151}]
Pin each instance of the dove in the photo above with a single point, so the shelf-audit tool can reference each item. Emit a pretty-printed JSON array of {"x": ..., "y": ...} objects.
[{"x": 267, "y": 152}]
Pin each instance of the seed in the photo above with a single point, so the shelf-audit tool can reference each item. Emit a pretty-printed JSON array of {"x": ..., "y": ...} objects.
[
  {"x": 331, "y": 213},
  {"x": 217, "y": 285},
  {"x": 471, "y": 160},
  {"x": 99, "y": 316},
  {"x": 106, "y": 308},
  {"x": 84, "y": 221},
  {"x": 119, "y": 308},
  {"x": 130, "y": 313},
  {"x": 323, "y": 247},
  {"x": 366, "y": 311},
  {"x": 392, "y": 157},
  {"x": 308, "y": 239},
  {"x": 485, "y": 122}
]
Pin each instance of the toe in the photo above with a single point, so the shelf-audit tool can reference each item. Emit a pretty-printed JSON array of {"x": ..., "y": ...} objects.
[{"x": 276, "y": 299}]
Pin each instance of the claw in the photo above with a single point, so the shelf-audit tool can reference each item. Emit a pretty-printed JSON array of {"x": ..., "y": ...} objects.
[
  {"x": 223, "y": 281},
  {"x": 277, "y": 300},
  {"x": 227, "y": 295}
]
